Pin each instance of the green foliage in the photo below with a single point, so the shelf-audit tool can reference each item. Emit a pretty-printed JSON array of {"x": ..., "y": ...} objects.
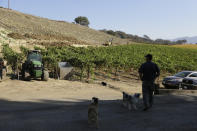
[
  {"x": 24, "y": 50},
  {"x": 13, "y": 58},
  {"x": 123, "y": 58},
  {"x": 82, "y": 20},
  {"x": 114, "y": 58}
]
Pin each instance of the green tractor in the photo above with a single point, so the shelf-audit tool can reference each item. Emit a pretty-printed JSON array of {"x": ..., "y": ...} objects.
[{"x": 33, "y": 67}]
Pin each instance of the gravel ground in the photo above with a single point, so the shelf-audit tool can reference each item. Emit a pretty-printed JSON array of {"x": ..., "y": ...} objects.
[{"x": 62, "y": 106}]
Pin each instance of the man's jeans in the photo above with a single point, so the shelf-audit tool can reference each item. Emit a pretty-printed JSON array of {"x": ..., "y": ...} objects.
[{"x": 147, "y": 90}]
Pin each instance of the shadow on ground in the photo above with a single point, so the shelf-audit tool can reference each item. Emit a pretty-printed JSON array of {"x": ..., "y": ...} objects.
[{"x": 170, "y": 113}]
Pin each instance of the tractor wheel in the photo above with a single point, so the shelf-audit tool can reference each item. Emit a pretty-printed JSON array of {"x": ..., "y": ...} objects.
[{"x": 45, "y": 76}]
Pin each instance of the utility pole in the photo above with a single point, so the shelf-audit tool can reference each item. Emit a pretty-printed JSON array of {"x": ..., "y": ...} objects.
[{"x": 8, "y": 4}]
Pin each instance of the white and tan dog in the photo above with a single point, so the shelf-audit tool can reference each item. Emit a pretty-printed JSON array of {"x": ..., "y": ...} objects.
[{"x": 131, "y": 101}]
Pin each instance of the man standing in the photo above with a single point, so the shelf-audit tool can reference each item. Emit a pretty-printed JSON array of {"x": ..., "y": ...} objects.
[{"x": 148, "y": 72}]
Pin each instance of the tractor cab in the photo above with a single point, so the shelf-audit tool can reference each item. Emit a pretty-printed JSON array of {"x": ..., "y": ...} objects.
[{"x": 34, "y": 56}]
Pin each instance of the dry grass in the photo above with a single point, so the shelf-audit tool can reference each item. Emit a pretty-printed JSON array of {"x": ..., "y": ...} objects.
[
  {"x": 41, "y": 28},
  {"x": 189, "y": 46}
]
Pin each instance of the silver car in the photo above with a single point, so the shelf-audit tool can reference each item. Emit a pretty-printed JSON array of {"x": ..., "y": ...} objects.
[{"x": 176, "y": 80}]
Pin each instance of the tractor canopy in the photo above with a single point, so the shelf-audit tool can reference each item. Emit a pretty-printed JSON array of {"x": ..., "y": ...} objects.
[{"x": 34, "y": 56}]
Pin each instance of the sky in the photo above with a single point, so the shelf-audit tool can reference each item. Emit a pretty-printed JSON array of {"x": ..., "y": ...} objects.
[{"x": 167, "y": 19}]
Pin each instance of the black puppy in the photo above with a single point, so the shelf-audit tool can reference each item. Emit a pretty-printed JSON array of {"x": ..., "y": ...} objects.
[{"x": 125, "y": 99}]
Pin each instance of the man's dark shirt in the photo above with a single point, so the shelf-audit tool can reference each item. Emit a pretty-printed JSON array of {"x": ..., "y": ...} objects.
[{"x": 149, "y": 71}]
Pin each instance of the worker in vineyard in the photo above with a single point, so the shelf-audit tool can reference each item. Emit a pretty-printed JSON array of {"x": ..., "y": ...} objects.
[
  {"x": 148, "y": 72},
  {"x": 1, "y": 68}
]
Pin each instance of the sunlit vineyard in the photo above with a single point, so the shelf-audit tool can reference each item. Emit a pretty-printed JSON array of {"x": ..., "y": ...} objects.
[
  {"x": 189, "y": 46},
  {"x": 116, "y": 58}
]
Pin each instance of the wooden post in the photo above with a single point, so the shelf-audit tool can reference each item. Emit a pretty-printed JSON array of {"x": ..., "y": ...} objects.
[{"x": 8, "y": 4}]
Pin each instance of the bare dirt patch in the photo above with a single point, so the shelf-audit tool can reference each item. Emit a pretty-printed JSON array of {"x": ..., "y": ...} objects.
[{"x": 16, "y": 36}]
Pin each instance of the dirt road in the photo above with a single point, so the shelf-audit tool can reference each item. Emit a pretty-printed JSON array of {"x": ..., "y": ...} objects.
[{"x": 62, "y": 106}]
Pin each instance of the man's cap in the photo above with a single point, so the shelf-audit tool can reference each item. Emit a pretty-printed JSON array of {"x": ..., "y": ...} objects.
[{"x": 149, "y": 56}]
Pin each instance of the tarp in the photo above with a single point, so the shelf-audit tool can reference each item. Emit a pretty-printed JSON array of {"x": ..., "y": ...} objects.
[{"x": 64, "y": 70}]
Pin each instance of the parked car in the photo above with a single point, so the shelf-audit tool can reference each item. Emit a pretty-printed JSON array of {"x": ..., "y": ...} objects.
[
  {"x": 176, "y": 80},
  {"x": 190, "y": 82}
]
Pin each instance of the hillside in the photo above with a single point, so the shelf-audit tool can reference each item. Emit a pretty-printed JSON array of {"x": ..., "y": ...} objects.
[
  {"x": 192, "y": 40},
  {"x": 44, "y": 29}
]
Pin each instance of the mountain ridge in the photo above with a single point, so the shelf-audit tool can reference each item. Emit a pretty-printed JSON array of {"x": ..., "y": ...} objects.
[{"x": 192, "y": 40}]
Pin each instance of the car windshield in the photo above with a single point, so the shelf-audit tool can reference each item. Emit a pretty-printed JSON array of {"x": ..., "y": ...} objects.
[
  {"x": 34, "y": 56},
  {"x": 182, "y": 74}
]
